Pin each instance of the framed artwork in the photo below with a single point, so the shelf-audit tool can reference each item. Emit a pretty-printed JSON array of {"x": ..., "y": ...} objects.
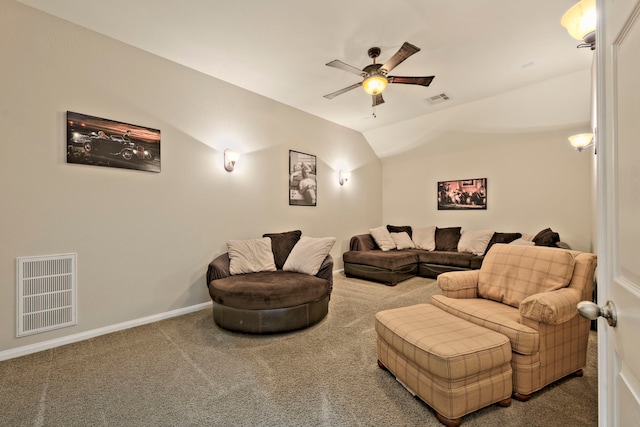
[
  {"x": 462, "y": 194},
  {"x": 302, "y": 179},
  {"x": 102, "y": 142}
]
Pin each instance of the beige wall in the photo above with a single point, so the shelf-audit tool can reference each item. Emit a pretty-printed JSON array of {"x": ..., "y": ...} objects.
[
  {"x": 534, "y": 181},
  {"x": 518, "y": 141},
  {"x": 144, "y": 240}
]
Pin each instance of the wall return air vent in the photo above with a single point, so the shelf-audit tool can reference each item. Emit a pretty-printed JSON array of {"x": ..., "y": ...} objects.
[{"x": 46, "y": 290}]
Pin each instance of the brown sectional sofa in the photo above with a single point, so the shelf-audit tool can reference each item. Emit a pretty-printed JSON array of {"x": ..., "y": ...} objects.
[{"x": 366, "y": 260}]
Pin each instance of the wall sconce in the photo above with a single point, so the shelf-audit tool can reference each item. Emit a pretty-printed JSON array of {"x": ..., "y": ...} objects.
[
  {"x": 230, "y": 159},
  {"x": 343, "y": 177},
  {"x": 581, "y": 141},
  {"x": 580, "y": 22}
]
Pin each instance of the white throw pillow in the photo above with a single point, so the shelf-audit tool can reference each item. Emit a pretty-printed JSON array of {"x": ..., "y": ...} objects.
[
  {"x": 308, "y": 253},
  {"x": 474, "y": 242},
  {"x": 527, "y": 237},
  {"x": 522, "y": 242},
  {"x": 250, "y": 256},
  {"x": 402, "y": 240},
  {"x": 383, "y": 238},
  {"x": 425, "y": 238}
]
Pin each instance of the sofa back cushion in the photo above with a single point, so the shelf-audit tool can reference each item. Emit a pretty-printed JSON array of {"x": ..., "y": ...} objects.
[
  {"x": 511, "y": 273},
  {"x": 282, "y": 244},
  {"x": 447, "y": 239},
  {"x": 499, "y": 237},
  {"x": 546, "y": 237}
]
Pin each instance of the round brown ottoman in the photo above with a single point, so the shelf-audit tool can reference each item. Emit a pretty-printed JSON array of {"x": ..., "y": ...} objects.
[{"x": 269, "y": 302}]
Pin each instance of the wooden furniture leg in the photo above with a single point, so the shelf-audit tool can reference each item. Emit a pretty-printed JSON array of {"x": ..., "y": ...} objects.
[{"x": 448, "y": 421}]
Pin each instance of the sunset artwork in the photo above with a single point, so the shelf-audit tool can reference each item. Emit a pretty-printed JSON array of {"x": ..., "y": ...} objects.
[{"x": 102, "y": 142}]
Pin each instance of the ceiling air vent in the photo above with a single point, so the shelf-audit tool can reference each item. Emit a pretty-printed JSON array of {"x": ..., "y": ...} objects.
[{"x": 437, "y": 99}]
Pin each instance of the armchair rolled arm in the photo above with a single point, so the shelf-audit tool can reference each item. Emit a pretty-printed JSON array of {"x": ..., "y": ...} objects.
[
  {"x": 218, "y": 268},
  {"x": 553, "y": 308},
  {"x": 459, "y": 284}
]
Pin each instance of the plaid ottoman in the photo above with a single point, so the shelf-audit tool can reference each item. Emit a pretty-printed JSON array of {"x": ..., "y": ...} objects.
[{"x": 455, "y": 366}]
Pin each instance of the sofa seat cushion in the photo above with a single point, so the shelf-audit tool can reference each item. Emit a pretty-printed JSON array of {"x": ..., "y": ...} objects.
[
  {"x": 390, "y": 260},
  {"x": 454, "y": 259},
  {"x": 493, "y": 315},
  {"x": 268, "y": 290},
  {"x": 511, "y": 273}
]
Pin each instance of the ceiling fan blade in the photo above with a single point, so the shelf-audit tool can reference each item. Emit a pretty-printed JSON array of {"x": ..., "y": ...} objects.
[
  {"x": 403, "y": 53},
  {"x": 376, "y": 100},
  {"x": 422, "y": 81},
  {"x": 346, "y": 67},
  {"x": 341, "y": 91}
]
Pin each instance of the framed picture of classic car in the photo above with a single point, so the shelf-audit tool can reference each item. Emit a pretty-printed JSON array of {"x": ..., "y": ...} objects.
[
  {"x": 303, "y": 189},
  {"x": 462, "y": 194},
  {"x": 102, "y": 142}
]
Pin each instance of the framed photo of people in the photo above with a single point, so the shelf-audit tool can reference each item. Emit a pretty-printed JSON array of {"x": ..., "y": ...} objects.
[
  {"x": 303, "y": 187},
  {"x": 462, "y": 194}
]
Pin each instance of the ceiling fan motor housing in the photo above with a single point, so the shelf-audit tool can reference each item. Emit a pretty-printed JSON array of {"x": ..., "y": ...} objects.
[
  {"x": 374, "y": 52},
  {"x": 372, "y": 69}
]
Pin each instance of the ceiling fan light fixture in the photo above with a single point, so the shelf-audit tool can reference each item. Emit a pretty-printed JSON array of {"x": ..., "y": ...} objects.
[
  {"x": 580, "y": 21},
  {"x": 374, "y": 84}
]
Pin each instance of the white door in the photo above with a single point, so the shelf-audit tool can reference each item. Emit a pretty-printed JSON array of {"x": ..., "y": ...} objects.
[{"x": 618, "y": 152}]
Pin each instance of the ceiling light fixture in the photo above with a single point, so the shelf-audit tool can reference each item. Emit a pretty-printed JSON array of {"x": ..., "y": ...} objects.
[
  {"x": 581, "y": 141},
  {"x": 374, "y": 84},
  {"x": 580, "y": 22}
]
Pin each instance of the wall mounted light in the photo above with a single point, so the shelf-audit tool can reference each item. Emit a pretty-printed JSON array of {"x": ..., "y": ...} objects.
[
  {"x": 581, "y": 141},
  {"x": 230, "y": 159},
  {"x": 580, "y": 22},
  {"x": 343, "y": 177}
]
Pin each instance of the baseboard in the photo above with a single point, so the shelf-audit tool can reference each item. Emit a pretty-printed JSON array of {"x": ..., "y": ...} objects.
[
  {"x": 338, "y": 271},
  {"x": 46, "y": 345}
]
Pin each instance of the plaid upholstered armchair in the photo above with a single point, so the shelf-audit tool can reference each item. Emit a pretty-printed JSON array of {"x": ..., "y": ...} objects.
[{"x": 529, "y": 294}]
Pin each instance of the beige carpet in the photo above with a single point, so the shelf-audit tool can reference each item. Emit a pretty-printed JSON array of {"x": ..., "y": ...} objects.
[{"x": 186, "y": 371}]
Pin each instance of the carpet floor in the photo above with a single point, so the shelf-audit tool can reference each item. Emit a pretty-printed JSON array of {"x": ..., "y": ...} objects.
[{"x": 186, "y": 371}]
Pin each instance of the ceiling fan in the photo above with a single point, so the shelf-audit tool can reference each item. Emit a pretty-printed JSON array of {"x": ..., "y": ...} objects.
[{"x": 376, "y": 75}]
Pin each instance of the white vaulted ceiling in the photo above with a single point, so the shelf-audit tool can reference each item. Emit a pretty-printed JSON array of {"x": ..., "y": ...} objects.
[{"x": 477, "y": 49}]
